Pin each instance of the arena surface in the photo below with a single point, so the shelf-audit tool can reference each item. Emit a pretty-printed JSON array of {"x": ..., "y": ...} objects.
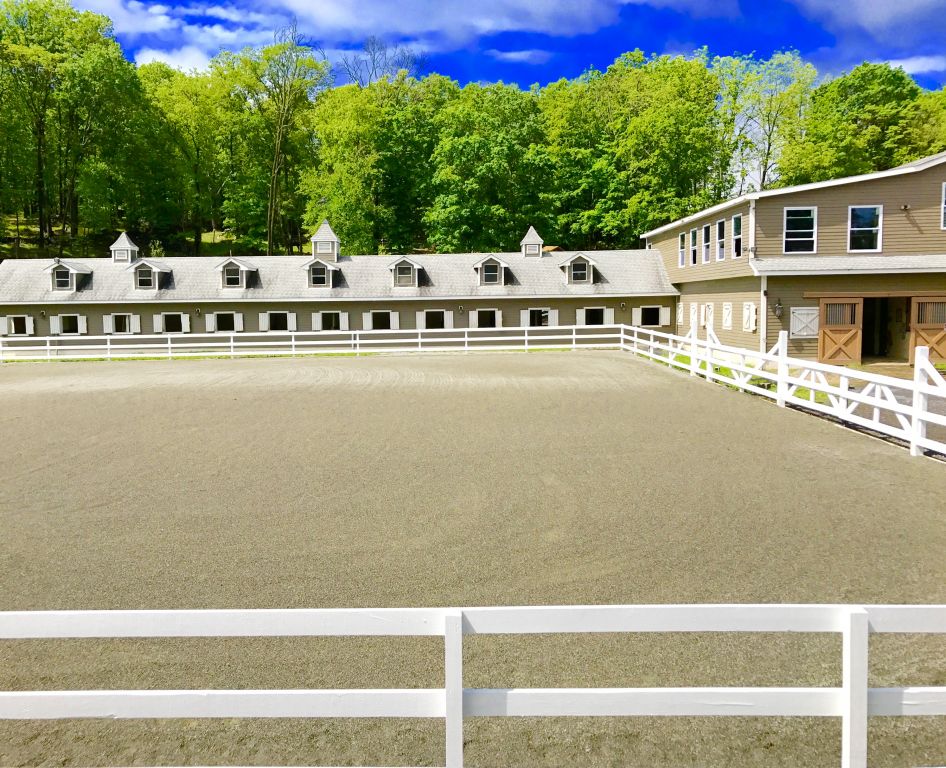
[{"x": 503, "y": 479}]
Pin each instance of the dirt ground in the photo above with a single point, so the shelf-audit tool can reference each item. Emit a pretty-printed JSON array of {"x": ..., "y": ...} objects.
[{"x": 554, "y": 478}]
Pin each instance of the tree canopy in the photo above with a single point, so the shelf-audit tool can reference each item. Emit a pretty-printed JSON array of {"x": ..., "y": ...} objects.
[{"x": 263, "y": 145}]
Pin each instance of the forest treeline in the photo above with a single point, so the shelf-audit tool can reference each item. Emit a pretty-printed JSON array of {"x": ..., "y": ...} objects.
[{"x": 265, "y": 145}]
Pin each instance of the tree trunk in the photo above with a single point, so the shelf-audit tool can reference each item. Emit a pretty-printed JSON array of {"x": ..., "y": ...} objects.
[{"x": 41, "y": 179}]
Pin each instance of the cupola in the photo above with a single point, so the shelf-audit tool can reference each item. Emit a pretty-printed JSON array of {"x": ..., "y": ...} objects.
[
  {"x": 325, "y": 243},
  {"x": 531, "y": 244},
  {"x": 123, "y": 249}
]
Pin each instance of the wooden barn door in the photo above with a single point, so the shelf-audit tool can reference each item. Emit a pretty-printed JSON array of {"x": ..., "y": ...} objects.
[
  {"x": 839, "y": 337},
  {"x": 928, "y": 326}
]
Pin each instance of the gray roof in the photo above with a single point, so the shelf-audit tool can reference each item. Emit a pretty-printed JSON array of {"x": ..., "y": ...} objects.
[
  {"x": 324, "y": 232},
  {"x": 531, "y": 237},
  {"x": 285, "y": 278},
  {"x": 123, "y": 241},
  {"x": 850, "y": 265}
]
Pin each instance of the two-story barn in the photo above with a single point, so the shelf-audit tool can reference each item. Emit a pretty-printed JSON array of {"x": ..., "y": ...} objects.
[
  {"x": 534, "y": 287},
  {"x": 852, "y": 268}
]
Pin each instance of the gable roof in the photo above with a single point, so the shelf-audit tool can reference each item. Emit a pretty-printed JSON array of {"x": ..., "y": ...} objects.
[
  {"x": 405, "y": 260},
  {"x": 491, "y": 257},
  {"x": 123, "y": 241},
  {"x": 324, "y": 232},
  {"x": 575, "y": 256},
  {"x": 849, "y": 265},
  {"x": 532, "y": 237},
  {"x": 241, "y": 263},
  {"x": 913, "y": 167},
  {"x": 154, "y": 264},
  {"x": 323, "y": 262},
  {"x": 77, "y": 267}
]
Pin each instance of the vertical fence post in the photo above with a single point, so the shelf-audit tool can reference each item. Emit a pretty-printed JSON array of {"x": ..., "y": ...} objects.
[
  {"x": 49, "y": 348},
  {"x": 169, "y": 347},
  {"x": 634, "y": 337},
  {"x": 232, "y": 345},
  {"x": 1, "y": 349},
  {"x": 420, "y": 344},
  {"x": 453, "y": 687},
  {"x": 525, "y": 338},
  {"x": 781, "y": 379},
  {"x": 694, "y": 352},
  {"x": 292, "y": 342},
  {"x": 854, "y": 689},
  {"x": 921, "y": 359},
  {"x": 574, "y": 338},
  {"x": 466, "y": 339},
  {"x": 108, "y": 348}
]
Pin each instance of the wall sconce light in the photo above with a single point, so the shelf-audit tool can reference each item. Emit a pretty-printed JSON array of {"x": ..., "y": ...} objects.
[
  {"x": 460, "y": 309},
  {"x": 623, "y": 305},
  {"x": 197, "y": 311},
  {"x": 778, "y": 309},
  {"x": 42, "y": 313}
]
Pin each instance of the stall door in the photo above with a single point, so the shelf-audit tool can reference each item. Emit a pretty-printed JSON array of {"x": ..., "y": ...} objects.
[
  {"x": 928, "y": 327},
  {"x": 839, "y": 338}
]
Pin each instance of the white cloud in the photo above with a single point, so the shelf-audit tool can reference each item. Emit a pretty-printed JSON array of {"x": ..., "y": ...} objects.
[
  {"x": 529, "y": 56},
  {"x": 186, "y": 58},
  {"x": 920, "y": 65},
  {"x": 133, "y": 18}
]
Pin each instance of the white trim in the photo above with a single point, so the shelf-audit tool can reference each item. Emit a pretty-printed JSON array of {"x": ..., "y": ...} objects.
[
  {"x": 658, "y": 307},
  {"x": 532, "y": 249},
  {"x": 814, "y": 231},
  {"x": 27, "y": 321},
  {"x": 942, "y": 210},
  {"x": 880, "y": 229},
  {"x": 694, "y": 254},
  {"x": 682, "y": 250},
  {"x": 112, "y": 315},
  {"x": 70, "y": 275},
  {"x": 732, "y": 236},
  {"x": 185, "y": 323},
  {"x": 707, "y": 243},
  {"x": 721, "y": 251},
  {"x": 241, "y": 280},
  {"x": 77, "y": 332},
  {"x": 799, "y": 311},
  {"x": 571, "y": 272},
  {"x": 328, "y": 275},
  {"x": 154, "y": 278}
]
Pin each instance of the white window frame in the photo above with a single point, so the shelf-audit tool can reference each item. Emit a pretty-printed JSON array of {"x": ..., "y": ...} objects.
[
  {"x": 497, "y": 316},
  {"x": 26, "y": 325},
  {"x": 226, "y": 268},
  {"x": 327, "y": 276},
  {"x": 269, "y": 320},
  {"x": 707, "y": 242},
  {"x": 810, "y": 311},
  {"x": 721, "y": 241},
  {"x": 70, "y": 278},
  {"x": 324, "y": 246},
  {"x": 410, "y": 274},
  {"x": 165, "y": 315},
  {"x": 336, "y": 312},
  {"x": 584, "y": 264},
  {"x": 814, "y": 232},
  {"x": 548, "y": 317},
  {"x": 682, "y": 252},
  {"x": 131, "y": 325},
  {"x": 658, "y": 307},
  {"x": 76, "y": 332},
  {"x": 154, "y": 280},
  {"x": 121, "y": 254},
  {"x": 734, "y": 238},
  {"x": 694, "y": 247},
  {"x": 498, "y": 266},
  {"x": 216, "y": 317},
  {"x": 880, "y": 229},
  {"x": 942, "y": 210},
  {"x": 532, "y": 249},
  {"x": 392, "y": 326}
]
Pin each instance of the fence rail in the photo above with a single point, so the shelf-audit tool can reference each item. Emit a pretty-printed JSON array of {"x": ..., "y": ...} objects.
[{"x": 853, "y": 702}]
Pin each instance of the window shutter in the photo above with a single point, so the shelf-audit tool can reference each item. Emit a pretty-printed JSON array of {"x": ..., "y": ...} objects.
[
  {"x": 136, "y": 323},
  {"x": 343, "y": 321},
  {"x": 211, "y": 320},
  {"x": 448, "y": 318},
  {"x": 4, "y": 325},
  {"x": 238, "y": 322},
  {"x": 264, "y": 321},
  {"x": 804, "y": 323},
  {"x": 609, "y": 316},
  {"x": 748, "y": 316},
  {"x": 474, "y": 318},
  {"x": 579, "y": 316},
  {"x": 185, "y": 323},
  {"x": 158, "y": 323},
  {"x": 710, "y": 314},
  {"x": 727, "y": 315},
  {"x": 316, "y": 321},
  {"x": 395, "y": 321},
  {"x": 499, "y": 318},
  {"x": 636, "y": 316},
  {"x": 83, "y": 325},
  {"x": 679, "y": 314},
  {"x": 421, "y": 321},
  {"x": 291, "y": 321},
  {"x": 30, "y": 326},
  {"x": 55, "y": 325},
  {"x": 553, "y": 317},
  {"x": 524, "y": 318},
  {"x": 693, "y": 314},
  {"x": 107, "y": 324},
  {"x": 702, "y": 315},
  {"x": 366, "y": 321},
  {"x": 665, "y": 316}
]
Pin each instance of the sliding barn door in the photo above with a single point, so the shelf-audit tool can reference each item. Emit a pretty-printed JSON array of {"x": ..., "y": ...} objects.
[
  {"x": 928, "y": 326},
  {"x": 840, "y": 335}
]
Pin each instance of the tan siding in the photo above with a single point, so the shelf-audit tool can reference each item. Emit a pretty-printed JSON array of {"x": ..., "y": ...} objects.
[
  {"x": 790, "y": 292},
  {"x": 916, "y": 230},
  {"x": 667, "y": 244},
  {"x": 737, "y": 292}
]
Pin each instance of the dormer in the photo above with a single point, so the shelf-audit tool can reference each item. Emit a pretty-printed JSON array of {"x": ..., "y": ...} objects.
[
  {"x": 325, "y": 243},
  {"x": 320, "y": 273},
  {"x": 406, "y": 273},
  {"x": 491, "y": 271},
  {"x": 531, "y": 244},
  {"x": 123, "y": 249},
  {"x": 579, "y": 270},
  {"x": 234, "y": 273},
  {"x": 64, "y": 275},
  {"x": 147, "y": 274}
]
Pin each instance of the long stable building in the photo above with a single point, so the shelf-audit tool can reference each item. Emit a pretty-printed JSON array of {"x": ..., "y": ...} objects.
[{"x": 852, "y": 268}]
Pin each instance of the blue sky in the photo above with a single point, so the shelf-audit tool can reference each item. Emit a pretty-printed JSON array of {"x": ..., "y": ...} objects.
[{"x": 529, "y": 41}]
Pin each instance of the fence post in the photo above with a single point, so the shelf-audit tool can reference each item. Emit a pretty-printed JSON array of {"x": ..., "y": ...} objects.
[
  {"x": 574, "y": 338},
  {"x": 453, "y": 687},
  {"x": 357, "y": 345},
  {"x": 1, "y": 349},
  {"x": 634, "y": 338},
  {"x": 781, "y": 380},
  {"x": 525, "y": 338},
  {"x": 466, "y": 339},
  {"x": 292, "y": 342},
  {"x": 921, "y": 359},
  {"x": 420, "y": 344},
  {"x": 232, "y": 345},
  {"x": 49, "y": 348},
  {"x": 169, "y": 348},
  {"x": 854, "y": 689},
  {"x": 694, "y": 352}
]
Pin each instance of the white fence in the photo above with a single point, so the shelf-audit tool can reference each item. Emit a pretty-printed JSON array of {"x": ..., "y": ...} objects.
[
  {"x": 898, "y": 408},
  {"x": 853, "y": 702}
]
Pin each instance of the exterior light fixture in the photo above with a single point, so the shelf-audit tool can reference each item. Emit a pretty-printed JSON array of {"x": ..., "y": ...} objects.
[
  {"x": 778, "y": 309},
  {"x": 197, "y": 310},
  {"x": 460, "y": 309},
  {"x": 623, "y": 305}
]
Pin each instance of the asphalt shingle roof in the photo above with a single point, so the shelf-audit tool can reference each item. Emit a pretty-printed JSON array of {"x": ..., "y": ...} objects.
[{"x": 814, "y": 265}]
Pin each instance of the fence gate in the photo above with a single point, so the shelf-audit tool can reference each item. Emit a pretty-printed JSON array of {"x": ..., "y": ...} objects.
[
  {"x": 840, "y": 336},
  {"x": 928, "y": 326}
]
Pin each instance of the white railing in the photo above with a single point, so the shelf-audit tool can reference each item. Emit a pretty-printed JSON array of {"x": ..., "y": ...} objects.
[
  {"x": 854, "y": 702},
  {"x": 296, "y": 343},
  {"x": 898, "y": 408}
]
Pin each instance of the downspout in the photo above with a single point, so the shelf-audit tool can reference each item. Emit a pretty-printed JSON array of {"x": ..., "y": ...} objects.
[{"x": 763, "y": 284}]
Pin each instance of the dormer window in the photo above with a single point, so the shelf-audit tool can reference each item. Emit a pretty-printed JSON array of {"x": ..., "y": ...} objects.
[
  {"x": 404, "y": 275},
  {"x": 531, "y": 244},
  {"x": 67, "y": 275},
  {"x": 144, "y": 277},
  {"x": 318, "y": 275},
  {"x": 491, "y": 274},
  {"x": 233, "y": 273},
  {"x": 580, "y": 272},
  {"x": 579, "y": 269},
  {"x": 491, "y": 270},
  {"x": 532, "y": 249},
  {"x": 62, "y": 279},
  {"x": 232, "y": 277}
]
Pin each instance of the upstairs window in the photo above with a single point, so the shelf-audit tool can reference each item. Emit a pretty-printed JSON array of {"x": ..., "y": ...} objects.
[
  {"x": 232, "y": 277},
  {"x": 721, "y": 240},
  {"x": 693, "y": 247},
  {"x": 707, "y": 232},
  {"x": 864, "y": 227},
  {"x": 62, "y": 279},
  {"x": 580, "y": 272},
  {"x": 144, "y": 278},
  {"x": 737, "y": 236},
  {"x": 491, "y": 274},
  {"x": 324, "y": 246},
  {"x": 318, "y": 275},
  {"x": 532, "y": 249},
  {"x": 800, "y": 230},
  {"x": 682, "y": 252},
  {"x": 404, "y": 275}
]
